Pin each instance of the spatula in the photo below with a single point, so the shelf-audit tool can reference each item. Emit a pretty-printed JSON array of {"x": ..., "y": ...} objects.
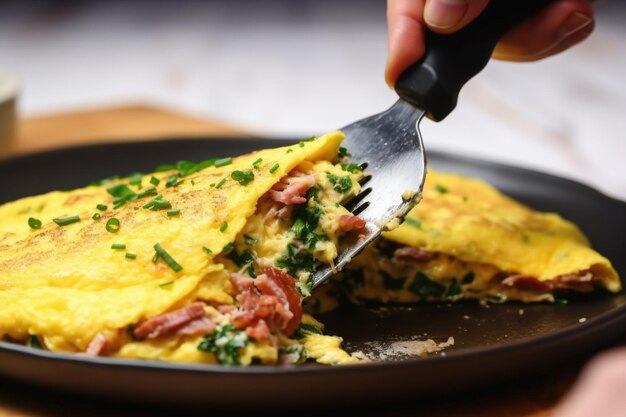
[{"x": 389, "y": 145}]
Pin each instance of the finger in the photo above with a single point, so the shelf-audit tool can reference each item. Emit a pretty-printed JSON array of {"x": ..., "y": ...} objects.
[
  {"x": 405, "y": 36},
  {"x": 447, "y": 16},
  {"x": 554, "y": 29}
]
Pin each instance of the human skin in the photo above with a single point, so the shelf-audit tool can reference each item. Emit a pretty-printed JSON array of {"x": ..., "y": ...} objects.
[{"x": 557, "y": 27}]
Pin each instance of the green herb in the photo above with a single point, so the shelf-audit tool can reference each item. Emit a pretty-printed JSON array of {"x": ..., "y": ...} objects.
[
  {"x": 454, "y": 289},
  {"x": 171, "y": 213},
  {"x": 223, "y": 227},
  {"x": 34, "y": 223},
  {"x": 167, "y": 258},
  {"x": 256, "y": 163},
  {"x": 294, "y": 261},
  {"x": 390, "y": 282},
  {"x": 96, "y": 216},
  {"x": 130, "y": 255},
  {"x": 305, "y": 329},
  {"x": 306, "y": 221},
  {"x": 425, "y": 287},
  {"x": 147, "y": 193},
  {"x": 225, "y": 343},
  {"x": 155, "y": 258},
  {"x": 441, "y": 189},
  {"x": 340, "y": 184},
  {"x": 249, "y": 240},
  {"x": 122, "y": 195},
  {"x": 228, "y": 247},
  {"x": 33, "y": 341},
  {"x": 223, "y": 162},
  {"x": 172, "y": 181},
  {"x": 220, "y": 183},
  {"x": 412, "y": 221},
  {"x": 106, "y": 180},
  {"x": 274, "y": 168},
  {"x": 158, "y": 203},
  {"x": 163, "y": 168},
  {"x": 353, "y": 168},
  {"x": 66, "y": 220},
  {"x": 468, "y": 278},
  {"x": 102, "y": 207},
  {"x": 113, "y": 225},
  {"x": 290, "y": 150},
  {"x": 343, "y": 152},
  {"x": 118, "y": 246},
  {"x": 207, "y": 250},
  {"x": 135, "y": 179},
  {"x": 166, "y": 284},
  {"x": 561, "y": 301},
  {"x": 293, "y": 354},
  {"x": 155, "y": 181},
  {"x": 243, "y": 177}
]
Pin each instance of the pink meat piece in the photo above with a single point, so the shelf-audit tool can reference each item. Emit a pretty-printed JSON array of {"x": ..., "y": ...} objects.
[
  {"x": 294, "y": 192},
  {"x": 413, "y": 254},
  {"x": 526, "y": 282},
  {"x": 98, "y": 345},
  {"x": 169, "y": 322},
  {"x": 349, "y": 222}
]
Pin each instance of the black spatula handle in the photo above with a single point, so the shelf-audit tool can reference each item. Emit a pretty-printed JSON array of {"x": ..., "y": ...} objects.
[{"x": 451, "y": 60}]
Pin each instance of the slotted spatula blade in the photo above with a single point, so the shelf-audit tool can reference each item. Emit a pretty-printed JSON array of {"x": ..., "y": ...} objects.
[{"x": 389, "y": 144}]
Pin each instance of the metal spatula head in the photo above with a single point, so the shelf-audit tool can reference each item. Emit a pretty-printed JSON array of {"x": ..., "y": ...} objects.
[{"x": 389, "y": 146}]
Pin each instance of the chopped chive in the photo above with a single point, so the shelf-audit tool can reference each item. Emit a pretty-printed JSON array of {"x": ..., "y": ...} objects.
[
  {"x": 148, "y": 192},
  {"x": 223, "y": 162},
  {"x": 212, "y": 185},
  {"x": 34, "y": 342},
  {"x": 173, "y": 212},
  {"x": 102, "y": 207},
  {"x": 167, "y": 258},
  {"x": 193, "y": 182},
  {"x": 172, "y": 181},
  {"x": 135, "y": 179},
  {"x": 118, "y": 246},
  {"x": 219, "y": 184},
  {"x": 441, "y": 189},
  {"x": 412, "y": 221},
  {"x": 207, "y": 250},
  {"x": 155, "y": 258},
  {"x": 34, "y": 223},
  {"x": 130, "y": 255},
  {"x": 113, "y": 225},
  {"x": 274, "y": 168},
  {"x": 223, "y": 227},
  {"x": 154, "y": 181},
  {"x": 243, "y": 177},
  {"x": 165, "y": 284},
  {"x": 96, "y": 216},
  {"x": 256, "y": 163},
  {"x": 158, "y": 203},
  {"x": 228, "y": 247},
  {"x": 249, "y": 240},
  {"x": 343, "y": 152},
  {"x": 66, "y": 220},
  {"x": 289, "y": 150}
]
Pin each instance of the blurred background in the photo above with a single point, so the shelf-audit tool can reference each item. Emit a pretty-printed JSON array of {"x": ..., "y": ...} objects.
[{"x": 291, "y": 69}]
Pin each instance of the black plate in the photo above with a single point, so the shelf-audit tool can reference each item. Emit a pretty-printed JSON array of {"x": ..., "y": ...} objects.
[{"x": 491, "y": 343}]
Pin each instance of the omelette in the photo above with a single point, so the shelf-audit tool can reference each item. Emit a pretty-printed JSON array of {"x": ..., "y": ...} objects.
[
  {"x": 210, "y": 262},
  {"x": 467, "y": 240}
]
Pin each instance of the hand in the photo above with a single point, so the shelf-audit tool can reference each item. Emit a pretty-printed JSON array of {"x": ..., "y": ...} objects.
[
  {"x": 557, "y": 27},
  {"x": 600, "y": 389}
]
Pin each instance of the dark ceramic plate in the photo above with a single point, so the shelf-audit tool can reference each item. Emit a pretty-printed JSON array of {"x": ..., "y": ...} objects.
[{"x": 491, "y": 343}]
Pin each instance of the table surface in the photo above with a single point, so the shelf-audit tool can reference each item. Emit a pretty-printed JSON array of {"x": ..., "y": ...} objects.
[{"x": 532, "y": 397}]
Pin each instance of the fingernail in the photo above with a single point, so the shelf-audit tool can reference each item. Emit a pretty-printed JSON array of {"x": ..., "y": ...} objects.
[
  {"x": 444, "y": 13},
  {"x": 574, "y": 23}
]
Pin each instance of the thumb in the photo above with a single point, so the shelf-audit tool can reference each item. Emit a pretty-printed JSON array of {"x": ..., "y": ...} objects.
[{"x": 447, "y": 16}]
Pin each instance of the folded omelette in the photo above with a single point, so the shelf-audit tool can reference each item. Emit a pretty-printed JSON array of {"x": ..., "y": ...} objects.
[{"x": 209, "y": 262}]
